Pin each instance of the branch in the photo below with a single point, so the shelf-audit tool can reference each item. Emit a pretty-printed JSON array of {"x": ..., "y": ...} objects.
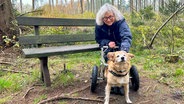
[
  {"x": 144, "y": 102},
  {"x": 83, "y": 88},
  {"x": 66, "y": 96},
  {"x": 8, "y": 63},
  {"x": 70, "y": 98},
  {"x": 5, "y": 33},
  {"x": 14, "y": 71},
  {"x": 25, "y": 95},
  {"x": 153, "y": 38}
]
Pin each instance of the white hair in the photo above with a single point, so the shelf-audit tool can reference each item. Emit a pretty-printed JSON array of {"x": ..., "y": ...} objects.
[{"x": 106, "y": 8}]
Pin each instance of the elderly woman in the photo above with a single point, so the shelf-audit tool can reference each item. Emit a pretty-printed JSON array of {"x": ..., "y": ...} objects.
[{"x": 112, "y": 30}]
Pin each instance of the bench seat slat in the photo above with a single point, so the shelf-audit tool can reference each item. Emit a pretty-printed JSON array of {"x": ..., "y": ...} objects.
[
  {"x": 47, "y": 39},
  {"x": 50, "y": 51}
]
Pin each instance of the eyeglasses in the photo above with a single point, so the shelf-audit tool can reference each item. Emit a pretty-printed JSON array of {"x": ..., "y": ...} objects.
[{"x": 106, "y": 18}]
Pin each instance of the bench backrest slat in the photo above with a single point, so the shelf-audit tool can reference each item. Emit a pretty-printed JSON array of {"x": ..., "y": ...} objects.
[
  {"x": 37, "y": 21},
  {"x": 47, "y": 39}
]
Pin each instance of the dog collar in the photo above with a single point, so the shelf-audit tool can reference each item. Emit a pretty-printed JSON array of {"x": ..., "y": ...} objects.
[{"x": 117, "y": 75}]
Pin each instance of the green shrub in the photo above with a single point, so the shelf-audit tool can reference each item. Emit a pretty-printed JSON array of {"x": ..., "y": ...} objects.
[
  {"x": 64, "y": 78},
  {"x": 179, "y": 72},
  {"x": 5, "y": 84},
  {"x": 147, "y": 12},
  {"x": 136, "y": 19}
]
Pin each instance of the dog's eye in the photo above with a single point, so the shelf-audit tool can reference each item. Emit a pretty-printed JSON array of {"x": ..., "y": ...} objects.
[{"x": 117, "y": 55}]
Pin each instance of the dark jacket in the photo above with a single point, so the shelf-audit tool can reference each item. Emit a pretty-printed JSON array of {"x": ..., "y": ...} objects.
[{"x": 119, "y": 32}]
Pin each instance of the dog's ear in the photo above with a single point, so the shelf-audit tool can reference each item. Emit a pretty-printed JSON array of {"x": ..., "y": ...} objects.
[
  {"x": 130, "y": 55},
  {"x": 110, "y": 56}
]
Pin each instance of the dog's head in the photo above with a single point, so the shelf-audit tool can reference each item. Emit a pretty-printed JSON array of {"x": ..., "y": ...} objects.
[{"x": 119, "y": 56}]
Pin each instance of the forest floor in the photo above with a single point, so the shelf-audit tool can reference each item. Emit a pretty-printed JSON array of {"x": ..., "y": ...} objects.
[{"x": 150, "y": 91}]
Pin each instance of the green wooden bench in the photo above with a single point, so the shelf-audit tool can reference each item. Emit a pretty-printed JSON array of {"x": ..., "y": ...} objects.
[{"x": 43, "y": 52}]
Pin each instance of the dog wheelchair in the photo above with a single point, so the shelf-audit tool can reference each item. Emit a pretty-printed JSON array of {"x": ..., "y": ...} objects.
[{"x": 98, "y": 73}]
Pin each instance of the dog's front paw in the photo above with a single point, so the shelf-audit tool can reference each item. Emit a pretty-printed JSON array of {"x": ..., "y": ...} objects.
[{"x": 129, "y": 102}]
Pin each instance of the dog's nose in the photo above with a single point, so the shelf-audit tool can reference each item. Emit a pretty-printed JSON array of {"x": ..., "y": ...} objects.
[{"x": 122, "y": 58}]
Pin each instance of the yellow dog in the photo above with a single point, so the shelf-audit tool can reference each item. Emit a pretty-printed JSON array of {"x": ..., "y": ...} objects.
[{"x": 117, "y": 73}]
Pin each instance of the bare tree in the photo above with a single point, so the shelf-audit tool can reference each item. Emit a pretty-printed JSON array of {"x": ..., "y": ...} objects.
[
  {"x": 92, "y": 5},
  {"x": 154, "y": 5},
  {"x": 112, "y": 2},
  {"x": 81, "y": 6},
  {"x": 50, "y": 4},
  {"x": 72, "y": 5},
  {"x": 101, "y": 3},
  {"x": 56, "y": 2},
  {"x": 8, "y": 27},
  {"x": 136, "y": 5},
  {"x": 21, "y": 6},
  {"x": 33, "y": 4},
  {"x": 88, "y": 5},
  {"x": 131, "y": 6},
  {"x": 145, "y": 3},
  {"x": 140, "y": 4},
  {"x": 161, "y": 3}
]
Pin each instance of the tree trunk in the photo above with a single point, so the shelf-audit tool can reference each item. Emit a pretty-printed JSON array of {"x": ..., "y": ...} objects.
[
  {"x": 50, "y": 5},
  {"x": 56, "y": 2},
  {"x": 131, "y": 6},
  {"x": 88, "y": 5},
  {"x": 154, "y": 5},
  {"x": 21, "y": 6},
  {"x": 139, "y": 5},
  {"x": 92, "y": 6},
  {"x": 72, "y": 7},
  {"x": 81, "y": 6},
  {"x": 33, "y": 5},
  {"x": 7, "y": 22},
  {"x": 112, "y": 2},
  {"x": 136, "y": 5},
  {"x": 162, "y": 3}
]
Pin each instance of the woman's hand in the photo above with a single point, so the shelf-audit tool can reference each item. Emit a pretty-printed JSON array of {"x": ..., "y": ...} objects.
[{"x": 112, "y": 44}]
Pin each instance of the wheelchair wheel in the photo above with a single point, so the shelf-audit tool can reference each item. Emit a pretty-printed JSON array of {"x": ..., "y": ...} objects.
[
  {"x": 134, "y": 78},
  {"x": 94, "y": 78}
]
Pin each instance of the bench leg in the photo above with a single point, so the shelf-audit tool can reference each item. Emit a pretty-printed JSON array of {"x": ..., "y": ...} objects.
[{"x": 45, "y": 76}]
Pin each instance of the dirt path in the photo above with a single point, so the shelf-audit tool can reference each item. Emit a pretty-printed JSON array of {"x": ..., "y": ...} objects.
[{"x": 150, "y": 92}]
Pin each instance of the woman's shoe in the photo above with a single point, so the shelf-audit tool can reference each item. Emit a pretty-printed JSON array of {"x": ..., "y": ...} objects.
[
  {"x": 120, "y": 91},
  {"x": 117, "y": 90}
]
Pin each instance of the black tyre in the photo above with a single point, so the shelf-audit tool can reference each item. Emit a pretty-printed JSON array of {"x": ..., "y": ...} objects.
[
  {"x": 94, "y": 78},
  {"x": 134, "y": 78}
]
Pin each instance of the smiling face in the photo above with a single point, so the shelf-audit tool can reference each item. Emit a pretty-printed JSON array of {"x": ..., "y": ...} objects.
[{"x": 109, "y": 18}]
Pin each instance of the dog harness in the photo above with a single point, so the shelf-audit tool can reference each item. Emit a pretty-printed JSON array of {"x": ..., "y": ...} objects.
[{"x": 117, "y": 75}]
